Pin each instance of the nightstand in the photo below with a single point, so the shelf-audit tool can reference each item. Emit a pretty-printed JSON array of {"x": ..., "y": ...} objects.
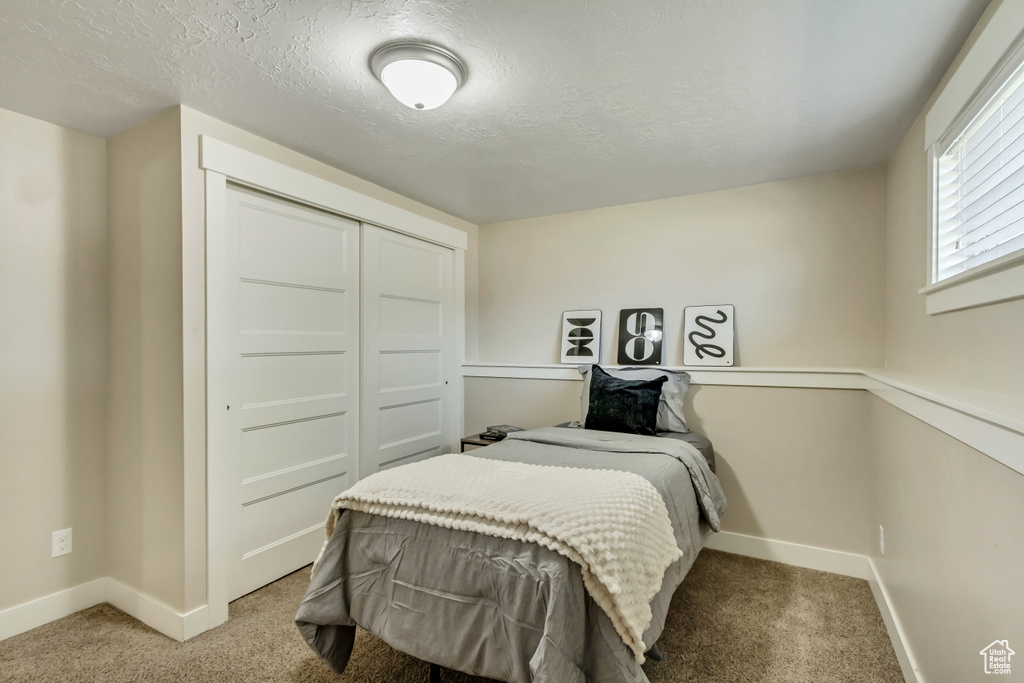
[{"x": 475, "y": 441}]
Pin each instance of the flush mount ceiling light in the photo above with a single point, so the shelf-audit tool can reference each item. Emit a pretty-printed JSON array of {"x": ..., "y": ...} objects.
[{"x": 419, "y": 75}]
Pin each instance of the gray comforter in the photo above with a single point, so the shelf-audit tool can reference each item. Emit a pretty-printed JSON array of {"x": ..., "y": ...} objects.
[{"x": 498, "y": 608}]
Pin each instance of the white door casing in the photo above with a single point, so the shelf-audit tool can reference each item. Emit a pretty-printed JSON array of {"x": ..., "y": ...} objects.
[
  {"x": 408, "y": 329},
  {"x": 293, "y": 320}
]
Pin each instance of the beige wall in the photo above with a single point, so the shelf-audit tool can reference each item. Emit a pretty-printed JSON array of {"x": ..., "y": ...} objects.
[
  {"x": 954, "y": 543},
  {"x": 792, "y": 462},
  {"x": 802, "y": 260},
  {"x": 145, "y": 479},
  {"x": 53, "y": 358},
  {"x": 527, "y": 403}
]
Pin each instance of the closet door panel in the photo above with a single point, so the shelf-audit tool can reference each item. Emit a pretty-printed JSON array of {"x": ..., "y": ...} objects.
[
  {"x": 294, "y": 245},
  {"x": 403, "y": 370},
  {"x": 294, "y": 278},
  {"x": 395, "y": 456},
  {"x": 409, "y": 422},
  {"x": 290, "y": 445},
  {"x": 288, "y": 512},
  {"x": 293, "y": 480},
  {"x": 415, "y": 266},
  {"x": 408, "y": 325},
  {"x": 292, "y": 376},
  {"x": 256, "y": 416},
  {"x": 275, "y": 308},
  {"x": 401, "y": 317}
]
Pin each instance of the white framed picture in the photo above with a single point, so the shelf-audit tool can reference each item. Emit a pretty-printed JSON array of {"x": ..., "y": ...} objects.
[
  {"x": 708, "y": 335},
  {"x": 581, "y": 337}
]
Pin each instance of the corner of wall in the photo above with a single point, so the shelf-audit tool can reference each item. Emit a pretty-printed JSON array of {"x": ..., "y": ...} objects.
[{"x": 144, "y": 459}]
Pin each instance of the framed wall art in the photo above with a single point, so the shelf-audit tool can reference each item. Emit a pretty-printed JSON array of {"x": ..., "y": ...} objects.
[
  {"x": 581, "y": 337},
  {"x": 708, "y": 335},
  {"x": 640, "y": 336}
]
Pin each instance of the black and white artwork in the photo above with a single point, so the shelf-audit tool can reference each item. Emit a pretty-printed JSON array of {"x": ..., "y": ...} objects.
[
  {"x": 708, "y": 335},
  {"x": 640, "y": 333},
  {"x": 581, "y": 337}
]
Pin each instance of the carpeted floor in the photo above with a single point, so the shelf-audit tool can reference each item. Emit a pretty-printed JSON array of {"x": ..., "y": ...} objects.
[{"x": 733, "y": 619}]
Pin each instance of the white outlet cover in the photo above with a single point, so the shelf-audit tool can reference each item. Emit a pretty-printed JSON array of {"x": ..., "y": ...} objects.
[
  {"x": 62, "y": 542},
  {"x": 881, "y": 539}
]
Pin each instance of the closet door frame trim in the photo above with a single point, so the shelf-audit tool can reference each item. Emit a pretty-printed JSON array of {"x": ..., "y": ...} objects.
[{"x": 224, "y": 163}]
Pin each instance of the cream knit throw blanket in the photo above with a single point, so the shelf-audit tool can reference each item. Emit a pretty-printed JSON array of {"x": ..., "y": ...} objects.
[{"x": 613, "y": 524}]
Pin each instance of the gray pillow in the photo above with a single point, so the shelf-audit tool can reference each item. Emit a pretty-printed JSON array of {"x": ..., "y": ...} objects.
[{"x": 673, "y": 391}]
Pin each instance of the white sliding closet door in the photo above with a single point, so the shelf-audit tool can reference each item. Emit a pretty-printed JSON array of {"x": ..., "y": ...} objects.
[
  {"x": 293, "y": 335},
  {"x": 408, "y": 349}
]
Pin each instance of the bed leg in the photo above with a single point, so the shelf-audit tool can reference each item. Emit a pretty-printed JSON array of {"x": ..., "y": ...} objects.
[{"x": 435, "y": 673}]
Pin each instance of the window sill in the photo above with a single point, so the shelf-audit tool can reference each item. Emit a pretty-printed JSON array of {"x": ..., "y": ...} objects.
[{"x": 1000, "y": 280}]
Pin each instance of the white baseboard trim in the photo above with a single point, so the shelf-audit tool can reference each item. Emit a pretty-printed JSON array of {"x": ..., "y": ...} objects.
[
  {"x": 155, "y": 614},
  {"x": 809, "y": 557},
  {"x": 148, "y": 610},
  {"x": 826, "y": 560},
  {"x": 35, "y": 613},
  {"x": 892, "y": 624}
]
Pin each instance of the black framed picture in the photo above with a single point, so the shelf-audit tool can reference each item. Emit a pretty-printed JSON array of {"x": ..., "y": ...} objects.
[{"x": 640, "y": 336}]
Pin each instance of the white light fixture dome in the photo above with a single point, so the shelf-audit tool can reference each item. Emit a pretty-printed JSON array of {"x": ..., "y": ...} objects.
[{"x": 419, "y": 75}]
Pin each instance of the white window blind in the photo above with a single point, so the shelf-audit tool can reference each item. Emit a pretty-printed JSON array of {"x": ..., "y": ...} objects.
[{"x": 980, "y": 186}]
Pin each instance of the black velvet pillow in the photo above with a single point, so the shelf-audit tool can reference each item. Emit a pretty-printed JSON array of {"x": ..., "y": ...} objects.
[{"x": 623, "y": 405}]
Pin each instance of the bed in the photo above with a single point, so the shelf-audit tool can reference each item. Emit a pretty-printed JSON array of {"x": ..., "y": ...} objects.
[{"x": 496, "y": 606}]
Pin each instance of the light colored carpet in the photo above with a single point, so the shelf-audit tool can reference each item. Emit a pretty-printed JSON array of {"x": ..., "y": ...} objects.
[{"x": 733, "y": 619}]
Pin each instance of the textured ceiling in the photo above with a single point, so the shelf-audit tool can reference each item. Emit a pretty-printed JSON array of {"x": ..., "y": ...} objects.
[{"x": 569, "y": 104}]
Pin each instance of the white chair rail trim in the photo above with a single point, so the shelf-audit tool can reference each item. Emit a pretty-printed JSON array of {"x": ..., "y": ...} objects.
[
  {"x": 815, "y": 378},
  {"x": 990, "y": 423}
]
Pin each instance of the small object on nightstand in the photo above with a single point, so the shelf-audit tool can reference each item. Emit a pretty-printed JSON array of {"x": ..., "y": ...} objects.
[
  {"x": 499, "y": 432},
  {"x": 492, "y": 435}
]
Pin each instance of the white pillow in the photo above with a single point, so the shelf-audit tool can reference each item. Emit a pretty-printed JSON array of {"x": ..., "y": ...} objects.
[{"x": 670, "y": 407}]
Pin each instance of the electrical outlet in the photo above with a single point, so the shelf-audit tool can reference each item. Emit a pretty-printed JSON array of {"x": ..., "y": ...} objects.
[
  {"x": 61, "y": 542},
  {"x": 881, "y": 539}
]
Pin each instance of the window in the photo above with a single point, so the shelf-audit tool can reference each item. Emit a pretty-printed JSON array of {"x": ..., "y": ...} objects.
[
  {"x": 974, "y": 134},
  {"x": 980, "y": 186}
]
